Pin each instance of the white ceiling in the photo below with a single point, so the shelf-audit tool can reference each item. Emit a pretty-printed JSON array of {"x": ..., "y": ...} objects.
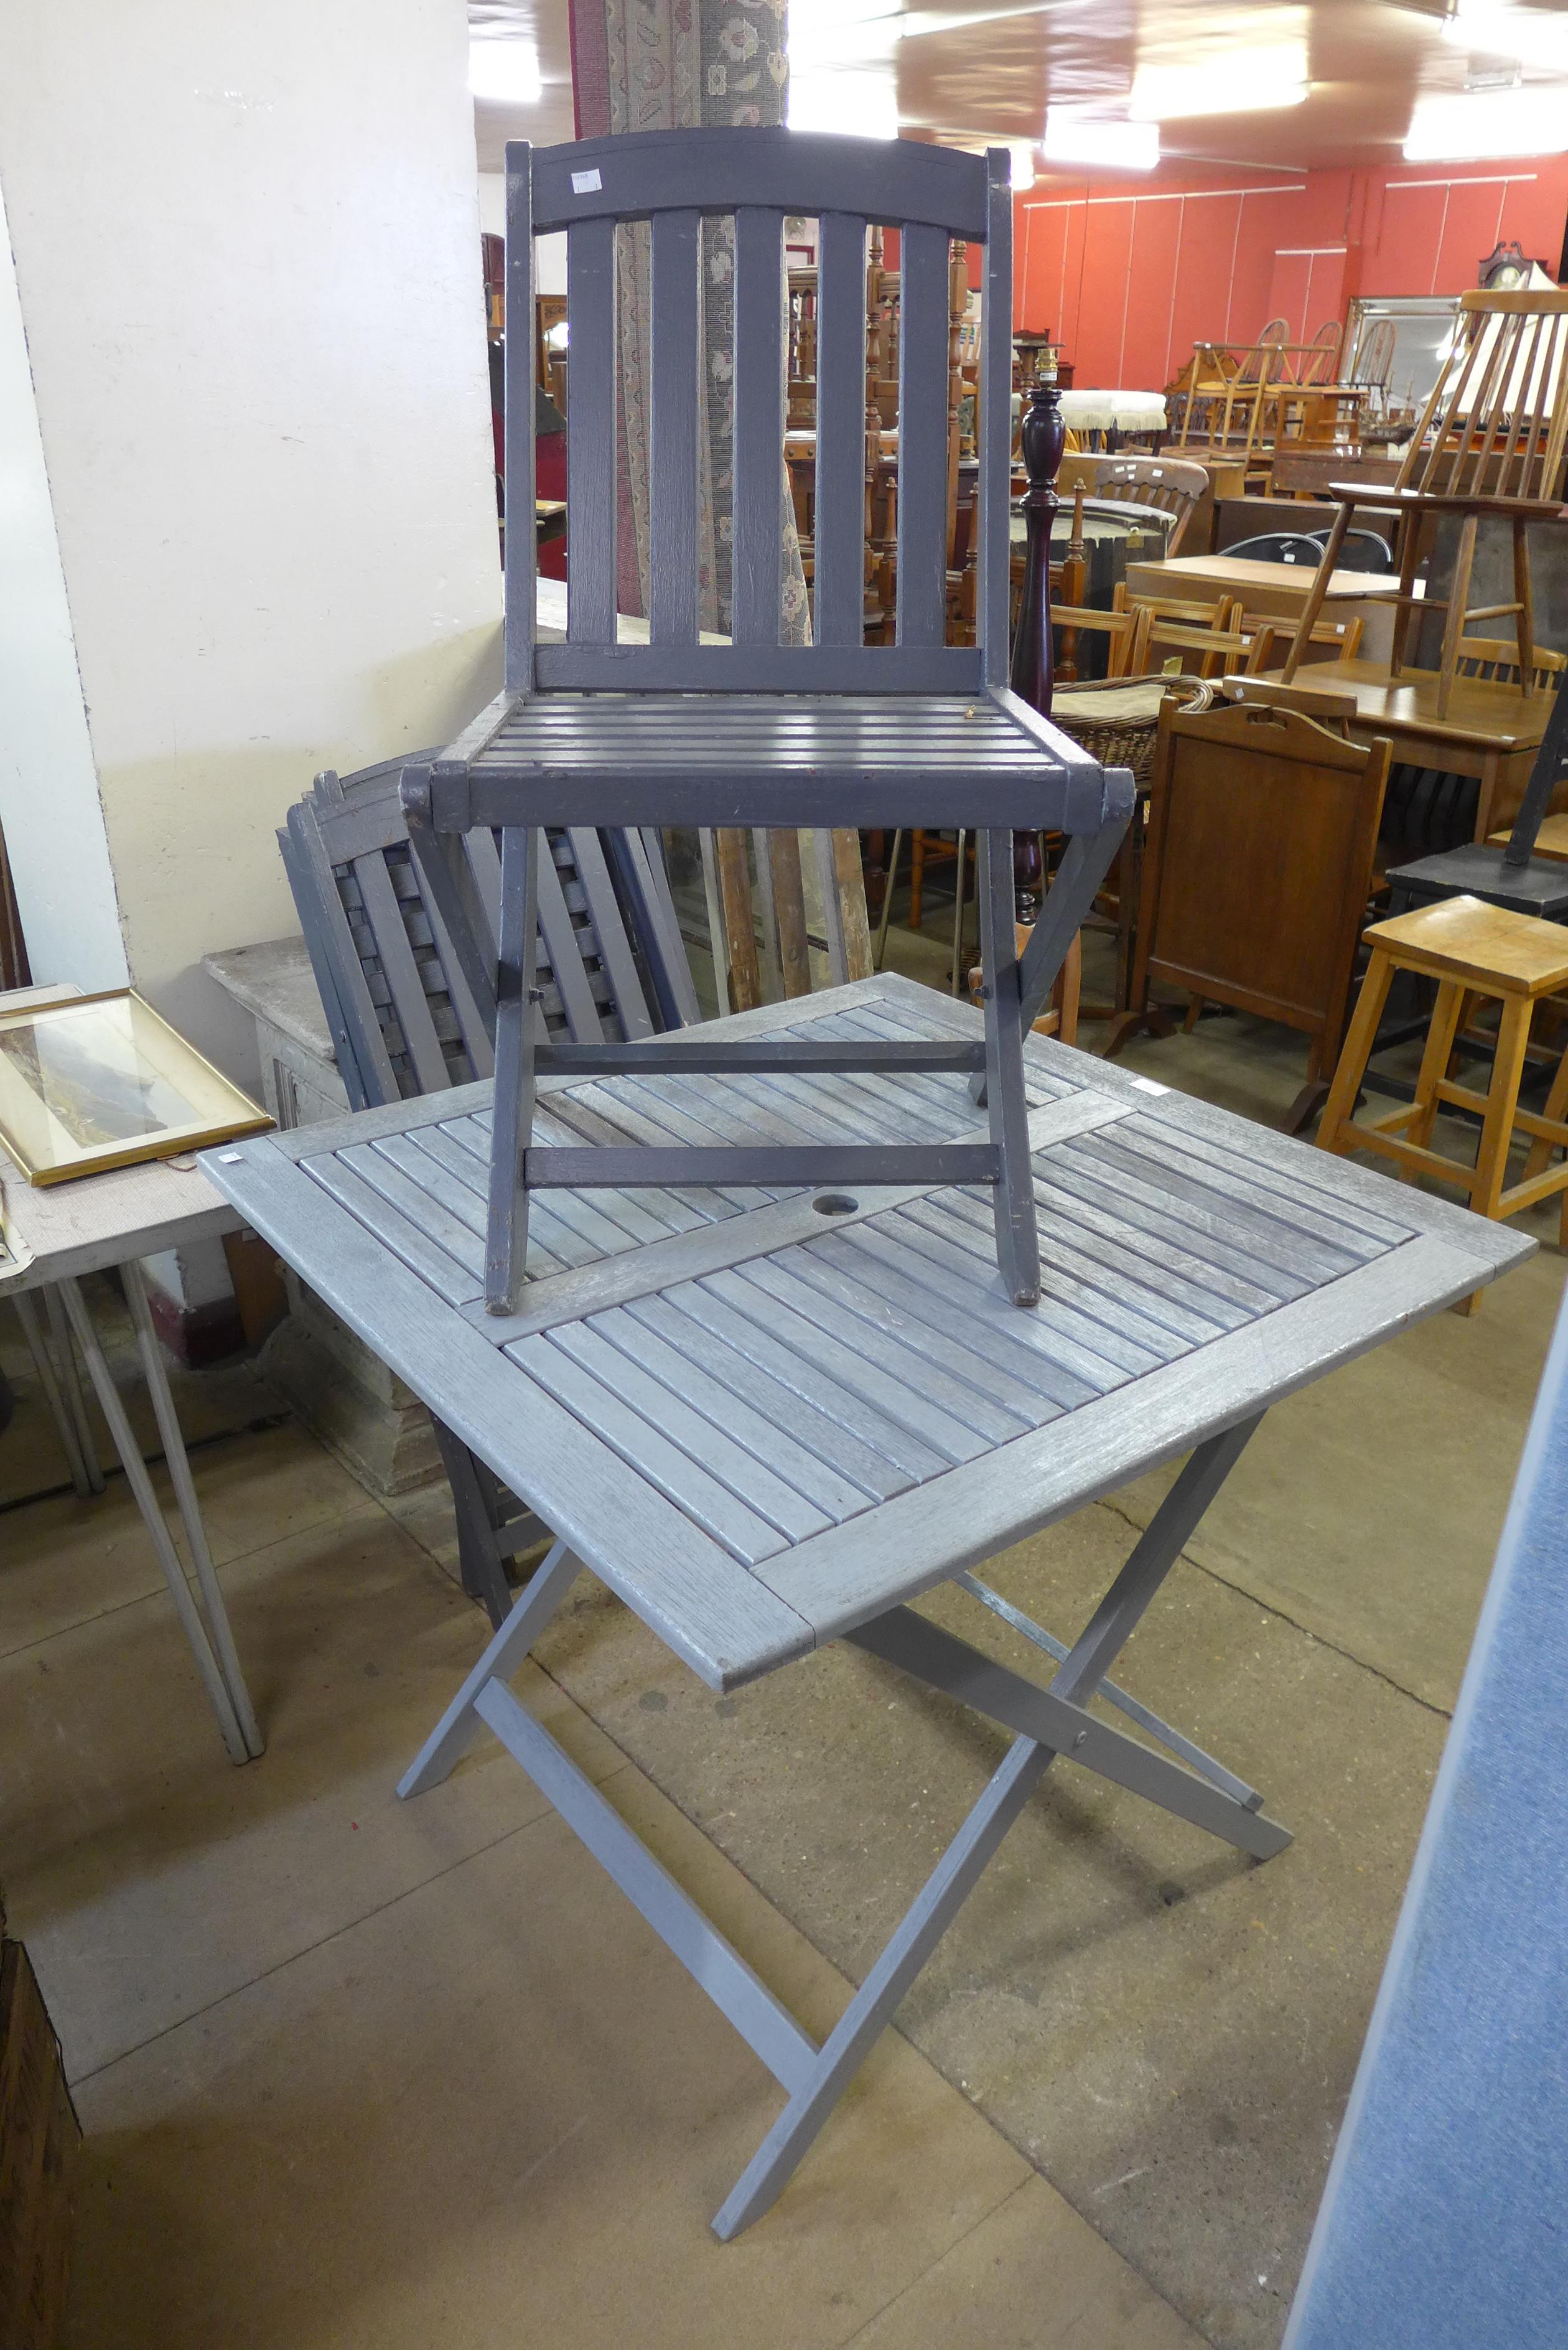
[{"x": 972, "y": 69}]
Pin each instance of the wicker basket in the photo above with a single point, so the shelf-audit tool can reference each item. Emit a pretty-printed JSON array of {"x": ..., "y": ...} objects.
[{"x": 1117, "y": 719}]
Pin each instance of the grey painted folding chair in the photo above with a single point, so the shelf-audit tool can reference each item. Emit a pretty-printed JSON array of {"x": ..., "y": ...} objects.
[
  {"x": 758, "y": 730},
  {"x": 404, "y": 1022}
]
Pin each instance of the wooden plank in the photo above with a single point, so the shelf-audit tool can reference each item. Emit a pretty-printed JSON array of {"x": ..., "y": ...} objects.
[
  {"x": 404, "y": 1236},
  {"x": 887, "y": 1341},
  {"x": 615, "y": 668},
  {"x": 688, "y": 1588},
  {"x": 994, "y": 419},
  {"x": 679, "y": 1414},
  {"x": 1130, "y": 1289},
  {"x": 591, "y": 437},
  {"x": 521, "y": 552},
  {"x": 923, "y": 440},
  {"x": 1256, "y": 1224},
  {"x": 652, "y": 1459},
  {"x": 853, "y": 1572},
  {"x": 673, "y": 412},
  {"x": 384, "y": 913},
  {"x": 1277, "y": 1260},
  {"x": 839, "y": 595},
  {"x": 372, "y": 1060},
  {"x": 616, "y": 954},
  {"x": 789, "y": 910},
  {"x": 739, "y": 943},
  {"x": 758, "y": 494},
  {"x": 564, "y": 950},
  {"x": 791, "y": 1321}
]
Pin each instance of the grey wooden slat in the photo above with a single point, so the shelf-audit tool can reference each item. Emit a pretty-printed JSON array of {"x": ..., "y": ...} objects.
[
  {"x": 473, "y": 1023},
  {"x": 521, "y": 556},
  {"x": 889, "y": 1339},
  {"x": 1012, "y": 1201},
  {"x": 994, "y": 419},
  {"x": 609, "y": 930},
  {"x": 622, "y": 1430},
  {"x": 405, "y": 1235},
  {"x": 923, "y": 438},
  {"x": 725, "y": 1624},
  {"x": 1057, "y": 1362},
  {"x": 1095, "y": 1302},
  {"x": 591, "y": 437},
  {"x": 516, "y": 1032},
  {"x": 1128, "y": 1254},
  {"x": 440, "y": 1165},
  {"x": 1258, "y": 1222},
  {"x": 484, "y": 861},
  {"x": 599, "y": 1119},
  {"x": 753, "y": 669},
  {"x": 1132, "y": 1289},
  {"x": 1197, "y": 1245},
  {"x": 678, "y": 1414},
  {"x": 838, "y": 594},
  {"x": 413, "y": 1201},
  {"x": 706, "y": 1384},
  {"x": 798, "y": 172},
  {"x": 757, "y": 540},
  {"x": 649, "y": 1117},
  {"x": 640, "y": 857},
  {"x": 565, "y": 951},
  {"x": 643, "y": 1216},
  {"x": 859, "y": 1467},
  {"x": 777, "y": 1058},
  {"x": 792, "y": 1320},
  {"x": 310, "y": 923},
  {"x": 1268, "y": 1258},
  {"x": 853, "y": 1572},
  {"x": 1276, "y": 1203},
  {"x": 1298, "y": 1188},
  {"x": 372, "y": 1060},
  {"x": 674, "y": 408},
  {"x": 409, "y": 999}
]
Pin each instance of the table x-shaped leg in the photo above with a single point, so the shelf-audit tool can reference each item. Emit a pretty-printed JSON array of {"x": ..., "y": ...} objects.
[{"x": 1048, "y": 1723}]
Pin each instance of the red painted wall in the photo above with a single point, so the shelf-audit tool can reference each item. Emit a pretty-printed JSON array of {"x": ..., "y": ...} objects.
[{"x": 1129, "y": 275}]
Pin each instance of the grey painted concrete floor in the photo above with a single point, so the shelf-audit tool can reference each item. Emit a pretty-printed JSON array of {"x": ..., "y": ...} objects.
[{"x": 361, "y": 2073}]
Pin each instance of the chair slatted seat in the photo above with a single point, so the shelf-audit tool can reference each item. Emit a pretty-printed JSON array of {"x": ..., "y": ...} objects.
[
  {"x": 761, "y": 730},
  {"x": 406, "y": 1021}
]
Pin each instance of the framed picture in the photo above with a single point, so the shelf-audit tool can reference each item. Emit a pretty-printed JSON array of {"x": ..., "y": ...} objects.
[{"x": 98, "y": 1081}]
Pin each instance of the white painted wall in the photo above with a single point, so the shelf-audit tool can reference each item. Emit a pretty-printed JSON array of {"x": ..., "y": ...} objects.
[
  {"x": 247, "y": 249},
  {"x": 48, "y": 787}
]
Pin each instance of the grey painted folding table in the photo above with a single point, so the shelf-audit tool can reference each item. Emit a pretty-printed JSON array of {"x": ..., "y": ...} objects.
[{"x": 769, "y": 1420}]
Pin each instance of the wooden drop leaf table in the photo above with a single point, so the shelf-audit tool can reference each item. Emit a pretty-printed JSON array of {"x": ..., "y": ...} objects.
[{"x": 768, "y": 1420}]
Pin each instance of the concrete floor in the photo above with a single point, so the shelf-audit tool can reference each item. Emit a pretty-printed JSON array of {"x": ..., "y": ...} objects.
[{"x": 359, "y": 2073}]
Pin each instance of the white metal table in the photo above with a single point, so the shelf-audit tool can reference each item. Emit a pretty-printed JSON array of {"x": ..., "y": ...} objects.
[
  {"x": 772, "y": 1420},
  {"x": 59, "y": 1235}
]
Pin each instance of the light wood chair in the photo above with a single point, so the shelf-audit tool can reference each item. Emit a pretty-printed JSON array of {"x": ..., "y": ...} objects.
[
  {"x": 1158, "y": 486},
  {"x": 1207, "y": 637},
  {"x": 1490, "y": 444},
  {"x": 1334, "y": 641},
  {"x": 1256, "y": 869},
  {"x": 1474, "y": 953}
]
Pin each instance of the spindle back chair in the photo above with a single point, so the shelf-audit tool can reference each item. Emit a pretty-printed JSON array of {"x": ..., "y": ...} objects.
[{"x": 759, "y": 730}]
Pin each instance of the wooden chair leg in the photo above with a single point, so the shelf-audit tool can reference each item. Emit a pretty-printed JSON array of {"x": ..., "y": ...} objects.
[
  {"x": 1524, "y": 596},
  {"x": 512, "y": 1118},
  {"x": 1404, "y": 610},
  {"x": 1556, "y": 1110},
  {"x": 1017, "y": 1242},
  {"x": 1447, "y": 1014},
  {"x": 1194, "y": 1014},
  {"x": 1458, "y": 600},
  {"x": 1069, "y": 987},
  {"x": 1501, "y": 1101},
  {"x": 1315, "y": 594},
  {"x": 1335, "y": 1132}
]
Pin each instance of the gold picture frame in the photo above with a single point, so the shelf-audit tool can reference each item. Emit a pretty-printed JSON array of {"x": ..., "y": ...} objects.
[{"x": 96, "y": 1081}]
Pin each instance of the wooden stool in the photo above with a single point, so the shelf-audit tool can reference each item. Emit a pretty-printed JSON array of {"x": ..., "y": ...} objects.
[{"x": 1470, "y": 949}]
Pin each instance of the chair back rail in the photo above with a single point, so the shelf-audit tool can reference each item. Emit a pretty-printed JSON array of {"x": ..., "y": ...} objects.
[
  {"x": 666, "y": 187},
  {"x": 1495, "y": 420}
]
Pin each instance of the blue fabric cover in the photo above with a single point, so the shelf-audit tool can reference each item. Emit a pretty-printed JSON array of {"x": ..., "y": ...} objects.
[{"x": 1444, "y": 2223}]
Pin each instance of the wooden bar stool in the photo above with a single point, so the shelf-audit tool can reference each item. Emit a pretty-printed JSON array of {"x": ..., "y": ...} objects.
[{"x": 1471, "y": 949}]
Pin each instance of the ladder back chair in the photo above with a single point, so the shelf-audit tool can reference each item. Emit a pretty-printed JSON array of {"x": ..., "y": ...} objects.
[
  {"x": 1490, "y": 444},
  {"x": 404, "y": 1020},
  {"x": 1166, "y": 489},
  {"x": 758, "y": 729}
]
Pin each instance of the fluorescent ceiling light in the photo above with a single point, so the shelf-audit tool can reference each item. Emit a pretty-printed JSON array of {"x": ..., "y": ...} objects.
[
  {"x": 1532, "y": 35},
  {"x": 1488, "y": 123},
  {"x": 1226, "y": 81},
  {"x": 1022, "y": 151},
  {"x": 505, "y": 69},
  {"x": 862, "y": 100},
  {"x": 1109, "y": 141}
]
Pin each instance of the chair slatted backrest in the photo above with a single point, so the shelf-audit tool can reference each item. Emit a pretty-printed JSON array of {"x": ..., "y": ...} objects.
[
  {"x": 405, "y": 1015},
  {"x": 1166, "y": 485},
  {"x": 1495, "y": 421},
  {"x": 666, "y": 185}
]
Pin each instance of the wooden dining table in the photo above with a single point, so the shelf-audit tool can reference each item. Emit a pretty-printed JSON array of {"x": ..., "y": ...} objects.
[{"x": 1491, "y": 731}]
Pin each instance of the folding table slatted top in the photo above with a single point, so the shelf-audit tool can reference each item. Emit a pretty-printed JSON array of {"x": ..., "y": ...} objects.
[
  {"x": 811, "y": 1414},
  {"x": 770, "y": 1418}
]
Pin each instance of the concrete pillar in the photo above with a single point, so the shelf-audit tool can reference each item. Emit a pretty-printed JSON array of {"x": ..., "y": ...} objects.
[{"x": 247, "y": 515}]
